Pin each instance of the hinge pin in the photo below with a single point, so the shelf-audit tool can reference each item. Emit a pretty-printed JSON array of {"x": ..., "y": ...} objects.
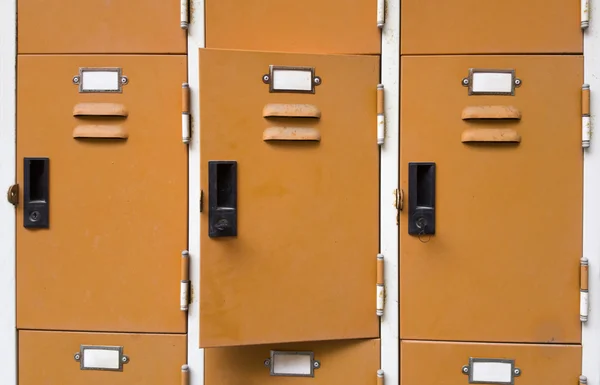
[
  {"x": 380, "y": 285},
  {"x": 184, "y": 14},
  {"x": 586, "y": 124},
  {"x": 185, "y": 280},
  {"x": 380, "y": 377},
  {"x": 185, "y": 375},
  {"x": 582, "y": 380},
  {"x": 585, "y": 14},
  {"x": 380, "y": 13},
  {"x": 380, "y": 115},
  {"x": 584, "y": 293}
]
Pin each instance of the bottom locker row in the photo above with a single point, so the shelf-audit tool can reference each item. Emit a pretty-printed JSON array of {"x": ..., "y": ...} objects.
[{"x": 146, "y": 359}]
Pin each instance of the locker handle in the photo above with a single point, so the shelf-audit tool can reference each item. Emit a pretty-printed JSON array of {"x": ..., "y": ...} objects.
[
  {"x": 291, "y": 111},
  {"x": 100, "y": 109},
  {"x": 491, "y": 112},
  {"x": 291, "y": 133},
  {"x": 421, "y": 198},
  {"x": 499, "y": 135},
  {"x": 95, "y": 131},
  {"x": 222, "y": 198}
]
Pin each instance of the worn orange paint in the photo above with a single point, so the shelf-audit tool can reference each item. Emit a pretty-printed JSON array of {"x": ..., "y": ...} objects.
[
  {"x": 334, "y": 26},
  {"x": 342, "y": 362},
  {"x": 47, "y": 358},
  {"x": 504, "y": 262},
  {"x": 302, "y": 266},
  {"x": 118, "y": 208},
  {"x": 495, "y": 26},
  {"x": 100, "y": 26},
  {"x": 432, "y": 363}
]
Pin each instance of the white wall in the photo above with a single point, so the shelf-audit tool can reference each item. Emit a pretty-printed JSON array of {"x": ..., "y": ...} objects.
[
  {"x": 591, "y": 202},
  {"x": 8, "y": 358}
]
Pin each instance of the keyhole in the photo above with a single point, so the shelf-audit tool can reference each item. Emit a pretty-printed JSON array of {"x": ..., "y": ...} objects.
[
  {"x": 34, "y": 216},
  {"x": 421, "y": 223}
]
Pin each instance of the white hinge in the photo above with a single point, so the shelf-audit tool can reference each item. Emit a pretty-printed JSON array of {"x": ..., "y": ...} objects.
[
  {"x": 380, "y": 286},
  {"x": 381, "y": 13},
  {"x": 586, "y": 121},
  {"x": 185, "y": 113},
  {"x": 185, "y": 14},
  {"x": 380, "y": 115},
  {"x": 583, "y": 290},
  {"x": 585, "y": 14},
  {"x": 184, "y": 294},
  {"x": 583, "y": 380}
]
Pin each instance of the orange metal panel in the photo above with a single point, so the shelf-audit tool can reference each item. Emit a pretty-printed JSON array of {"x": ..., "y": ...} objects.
[
  {"x": 118, "y": 208},
  {"x": 503, "y": 264},
  {"x": 496, "y": 26},
  {"x": 48, "y": 358},
  {"x": 334, "y": 26},
  {"x": 100, "y": 26},
  {"x": 342, "y": 362},
  {"x": 302, "y": 266},
  {"x": 432, "y": 363}
]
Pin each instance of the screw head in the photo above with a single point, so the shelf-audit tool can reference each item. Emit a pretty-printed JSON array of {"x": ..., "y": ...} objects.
[
  {"x": 125, "y": 359},
  {"x": 517, "y": 82},
  {"x": 77, "y": 357},
  {"x": 266, "y": 78},
  {"x": 124, "y": 80},
  {"x": 317, "y": 80},
  {"x": 465, "y": 369},
  {"x": 267, "y": 362},
  {"x": 517, "y": 371},
  {"x": 316, "y": 364},
  {"x": 465, "y": 82},
  {"x": 75, "y": 79}
]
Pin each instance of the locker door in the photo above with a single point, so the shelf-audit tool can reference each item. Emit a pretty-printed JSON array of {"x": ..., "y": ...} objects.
[
  {"x": 104, "y": 180},
  {"x": 289, "y": 228},
  {"x": 491, "y": 230}
]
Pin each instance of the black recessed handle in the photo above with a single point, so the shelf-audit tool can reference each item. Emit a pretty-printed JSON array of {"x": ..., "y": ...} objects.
[
  {"x": 222, "y": 198},
  {"x": 421, "y": 198},
  {"x": 36, "y": 193}
]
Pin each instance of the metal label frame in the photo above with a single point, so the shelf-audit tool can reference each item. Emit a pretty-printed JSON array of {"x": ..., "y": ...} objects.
[
  {"x": 468, "y": 81},
  {"x": 270, "y": 363},
  {"x": 514, "y": 372},
  {"x": 79, "y": 357},
  {"x": 121, "y": 79},
  {"x": 315, "y": 80}
]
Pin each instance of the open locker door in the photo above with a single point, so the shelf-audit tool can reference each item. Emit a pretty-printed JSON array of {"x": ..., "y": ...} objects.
[{"x": 289, "y": 172}]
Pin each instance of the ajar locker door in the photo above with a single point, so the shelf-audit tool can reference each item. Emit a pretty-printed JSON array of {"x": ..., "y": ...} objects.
[
  {"x": 491, "y": 231},
  {"x": 289, "y": 226}
]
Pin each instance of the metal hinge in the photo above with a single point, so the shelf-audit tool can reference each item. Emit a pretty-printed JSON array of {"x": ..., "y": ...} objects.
[
  {"x": 586, "y": 121},
  {"x": 583, "y": 380},
  {"x": 185, "y": 113},
  {"x": 583, "y": 290},
  {"x": 201, "y": 200},
  {"x": 184, "y": 294},
  {"x": 380, "y": 13},
  {"x": 380, "y": 377},
  {"x": 585, "y": 14},
  {"x": 380, "y": 115},
  {"x": 398, "y": 203},
  {"x": 185, "y": 375},
  {"x": 380, "y": 286},
  {"x": 185, "y": 13},
  {"x": 13, "y": 194}
]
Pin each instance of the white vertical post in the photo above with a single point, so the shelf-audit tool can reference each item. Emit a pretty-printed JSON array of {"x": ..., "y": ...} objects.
[
  {"x": 8, "y": 340},
  {"x": 591, "y": 203},
  {"x": 195, "y": 42},
  {"x": 390, "y": 78}
]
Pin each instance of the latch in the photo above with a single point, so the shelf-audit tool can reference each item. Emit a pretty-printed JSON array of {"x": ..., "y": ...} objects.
[{"x": 13, "y": 194}]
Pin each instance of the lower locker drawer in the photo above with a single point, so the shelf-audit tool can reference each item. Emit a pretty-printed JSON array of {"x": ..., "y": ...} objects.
[
  {"x": 349, "y": 362},
  {"x": 49, "y": 358},
  {"x": 455, "y": 363}
]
